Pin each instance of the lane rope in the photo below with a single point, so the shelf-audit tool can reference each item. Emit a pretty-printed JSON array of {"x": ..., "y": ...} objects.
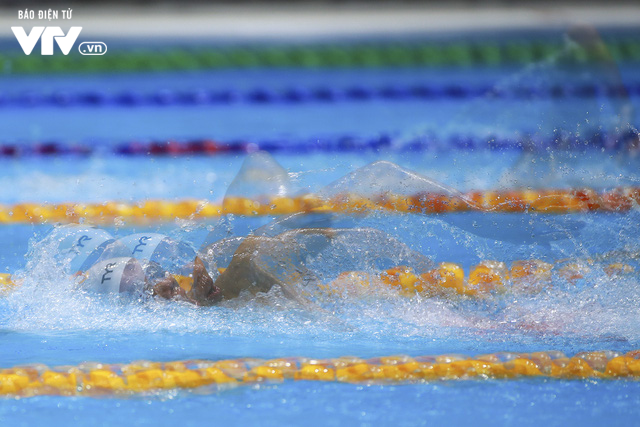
[
  {"x": 321, "y": 144},
  {"x": 101, "y": 379},
  {"x": 448, "y": 279},
  {"x": 407, "y": 54},
  {"x": 551, "y": 201},
  {"x": 319, "y": 94},
  {"x": 487, "y": 277}
]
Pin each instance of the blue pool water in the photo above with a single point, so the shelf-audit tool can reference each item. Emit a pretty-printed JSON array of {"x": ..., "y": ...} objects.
[
  {"x": 43, "y": 322},
  {"x": 520, "y": 403}
]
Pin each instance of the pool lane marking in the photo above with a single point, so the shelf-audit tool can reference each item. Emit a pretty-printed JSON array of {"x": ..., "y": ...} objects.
[
  {"x": 98, "y": 379},
  {"x": 544, "y": 201}
]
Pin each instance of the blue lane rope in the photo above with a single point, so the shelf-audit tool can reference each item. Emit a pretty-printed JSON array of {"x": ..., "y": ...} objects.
[
  {"x": 319, "y": 94},
  {"x": 341, "y": 143}
]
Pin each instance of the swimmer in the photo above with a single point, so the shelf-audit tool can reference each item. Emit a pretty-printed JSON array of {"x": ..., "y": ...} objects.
[
  {"x": 304, "y": 263},
  {"x": 283, "y": 254},
  {"x": 300, "y": 251},
  {"x": 289, "y": 260}
]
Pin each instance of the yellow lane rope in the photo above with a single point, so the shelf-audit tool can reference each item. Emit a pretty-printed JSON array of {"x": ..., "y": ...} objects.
[
  {"x": 447, "y": 279},
  {"x": 513, "y": 201},
  {"x": 487, "y": 277},
  {"x": 97, "y": 379}
]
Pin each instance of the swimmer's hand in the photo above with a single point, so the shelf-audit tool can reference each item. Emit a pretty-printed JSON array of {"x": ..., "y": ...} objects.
[
  {"x": 168, "y": 288},
  {"x": 203, "y": 291}
]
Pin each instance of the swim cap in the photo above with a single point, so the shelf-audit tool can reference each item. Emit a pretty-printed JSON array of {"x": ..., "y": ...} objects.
[
  {"x": 81, "y": 246},
  {"x": 171, "y": 255},
  {"x": 115, "y": 275}
]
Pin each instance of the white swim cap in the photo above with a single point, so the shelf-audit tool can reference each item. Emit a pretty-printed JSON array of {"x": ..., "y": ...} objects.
[
  {"x": 115, "y": 275},
  {"x": 81, "y": 246},
  {"x": 173, "y": 256}
]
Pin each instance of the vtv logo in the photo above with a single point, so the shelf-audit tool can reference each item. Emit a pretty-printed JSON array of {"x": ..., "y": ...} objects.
[{"x": 48, "y": 34}]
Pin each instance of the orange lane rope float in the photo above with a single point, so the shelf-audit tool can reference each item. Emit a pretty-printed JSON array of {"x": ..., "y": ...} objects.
[
  {"x": 511, "y": 201},
  {"x": 98, "y": 379},
  {"x": 487, "y": 277},
  {"x": 447, "y": 279}
]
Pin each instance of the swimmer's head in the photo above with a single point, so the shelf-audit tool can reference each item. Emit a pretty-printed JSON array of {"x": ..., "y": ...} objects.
[
  {"x": 78, "y": 246},
  {"x": 164, "y": 255},
  {"x": 173, "y": 256},
  {"x": 115, "y": 275},
  {"x": 127, "y": 275}
]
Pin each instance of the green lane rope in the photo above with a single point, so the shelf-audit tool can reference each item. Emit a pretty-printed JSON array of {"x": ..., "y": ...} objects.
[{"x": 458, "y": 54}]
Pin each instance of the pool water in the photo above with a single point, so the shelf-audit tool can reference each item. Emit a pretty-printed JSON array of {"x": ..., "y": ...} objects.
[
  {"x": 43, "y": 322},
  {"x": 522, "y": 403}
]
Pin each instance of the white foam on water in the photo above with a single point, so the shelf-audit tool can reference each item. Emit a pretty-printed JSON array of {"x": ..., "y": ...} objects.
[{"x": 596, "y": 306}]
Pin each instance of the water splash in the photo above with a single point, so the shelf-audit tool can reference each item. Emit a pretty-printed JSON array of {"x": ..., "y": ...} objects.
[{"x": 596, "y": 307}]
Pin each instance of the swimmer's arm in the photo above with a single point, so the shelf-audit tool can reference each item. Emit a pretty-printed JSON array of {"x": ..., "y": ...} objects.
[
  {"x": 203, "y": 291},
  {"x": 242, "y": 273},
  {"x": 245, "y": 273}
]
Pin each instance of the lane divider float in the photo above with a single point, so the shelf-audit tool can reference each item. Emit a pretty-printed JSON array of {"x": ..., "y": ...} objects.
[
  {"x": 101, "y": 379},
  {"x": 449, "y": 279},
  {"x": 320, "y": 94},
  {"x": 546, "y": 201},
  {"x": 434, "y": 54},
  {"x": 320, "y": 144}
]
